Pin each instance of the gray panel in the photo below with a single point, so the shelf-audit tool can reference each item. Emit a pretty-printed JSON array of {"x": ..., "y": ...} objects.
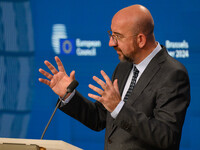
[{"x": 16, "y": 65}]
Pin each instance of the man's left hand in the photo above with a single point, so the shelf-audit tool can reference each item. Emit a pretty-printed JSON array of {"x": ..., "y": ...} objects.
[{"x": 110, "y": 95}]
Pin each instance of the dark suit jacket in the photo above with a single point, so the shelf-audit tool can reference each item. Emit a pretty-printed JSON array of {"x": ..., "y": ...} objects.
[{"x": 153, "y": 115}]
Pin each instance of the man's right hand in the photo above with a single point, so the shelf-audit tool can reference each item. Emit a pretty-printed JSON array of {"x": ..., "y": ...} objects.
[{"x": 59, "y": 81}]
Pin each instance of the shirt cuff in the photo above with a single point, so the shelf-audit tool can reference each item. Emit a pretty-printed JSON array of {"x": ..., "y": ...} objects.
[
  {"x": 117, "y": 109},
  {"x": 64, "y": 102}
]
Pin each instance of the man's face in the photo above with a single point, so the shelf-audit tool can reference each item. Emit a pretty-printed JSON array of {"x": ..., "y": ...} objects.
[{"x": 123, "y": 40}]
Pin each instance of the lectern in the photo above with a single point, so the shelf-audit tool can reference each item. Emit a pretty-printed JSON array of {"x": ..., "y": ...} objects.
[{"x": 31, "y": 144}]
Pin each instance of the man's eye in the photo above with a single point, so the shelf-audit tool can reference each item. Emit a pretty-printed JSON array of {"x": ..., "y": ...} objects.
[{"x": 117, "y": 36}]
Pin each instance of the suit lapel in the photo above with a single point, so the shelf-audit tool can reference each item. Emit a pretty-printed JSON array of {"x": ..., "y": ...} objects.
[
  {"x": 148, "y": 74},
  {"x": 125, "y": 73},
  {"x": 144, "y": 80}
]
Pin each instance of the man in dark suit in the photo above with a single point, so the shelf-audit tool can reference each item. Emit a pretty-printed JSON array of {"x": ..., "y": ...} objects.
[{"x": 143, "y": 107}]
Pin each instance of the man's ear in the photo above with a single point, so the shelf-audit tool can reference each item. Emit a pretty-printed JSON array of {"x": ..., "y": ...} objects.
[{"x": 141, "y": 40}]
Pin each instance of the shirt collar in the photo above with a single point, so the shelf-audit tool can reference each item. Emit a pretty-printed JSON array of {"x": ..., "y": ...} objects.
[{"x": 142, "y": 65}]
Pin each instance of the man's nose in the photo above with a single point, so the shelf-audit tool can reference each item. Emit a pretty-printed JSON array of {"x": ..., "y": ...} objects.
[{"x": 112, "y": 42}]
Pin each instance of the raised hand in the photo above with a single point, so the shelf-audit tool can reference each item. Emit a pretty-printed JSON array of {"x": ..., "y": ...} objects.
[
  {"x": 59, "y": 81},
  {"x": 110, "y": 95}
]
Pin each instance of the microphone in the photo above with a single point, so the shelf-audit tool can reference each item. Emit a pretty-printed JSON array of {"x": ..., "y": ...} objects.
[{"x": 70, "y": 89}]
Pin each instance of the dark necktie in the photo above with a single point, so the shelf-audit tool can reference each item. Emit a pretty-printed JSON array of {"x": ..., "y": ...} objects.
[{"x": 133, "y": 82}]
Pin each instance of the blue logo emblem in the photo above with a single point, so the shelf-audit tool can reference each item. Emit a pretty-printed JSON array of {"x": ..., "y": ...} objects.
[{"x": 67, "y": 46}]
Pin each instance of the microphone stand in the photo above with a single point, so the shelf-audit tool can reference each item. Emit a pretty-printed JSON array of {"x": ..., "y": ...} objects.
[
  {"x": 70, "y": 88},
  {"x": 50, "y": 119}
]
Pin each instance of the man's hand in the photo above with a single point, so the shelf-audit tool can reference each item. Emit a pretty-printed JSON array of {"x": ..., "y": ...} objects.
[
  {"x": 59, "y": 81},
  {"x": 109, "y": 96}
]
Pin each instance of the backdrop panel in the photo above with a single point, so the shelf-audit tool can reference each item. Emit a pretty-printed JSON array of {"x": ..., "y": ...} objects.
[{"x": 76, "y": 31}]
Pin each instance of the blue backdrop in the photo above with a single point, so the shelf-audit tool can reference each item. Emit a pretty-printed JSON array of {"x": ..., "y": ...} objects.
[{"x": 76, "y": 31}]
